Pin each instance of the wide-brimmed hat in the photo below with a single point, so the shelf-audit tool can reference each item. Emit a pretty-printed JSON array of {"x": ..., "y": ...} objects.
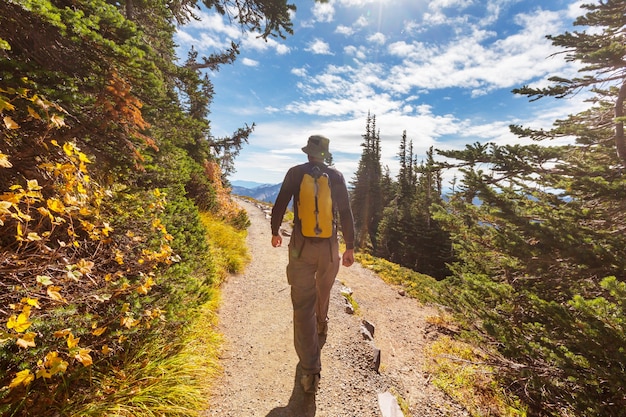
[{"x": 317, "y": 147}]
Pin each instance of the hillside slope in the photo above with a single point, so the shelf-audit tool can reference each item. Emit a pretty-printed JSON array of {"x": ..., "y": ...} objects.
[
  {"x": 264, "y": 192},
  {"x": 260, "y": 375}
]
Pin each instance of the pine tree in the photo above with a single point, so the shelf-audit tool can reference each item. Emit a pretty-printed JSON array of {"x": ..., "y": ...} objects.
[
  {"x": 541, "y": 253},
  {"x": 432, "y": 246},
  {"x": 366, "y": 189}
]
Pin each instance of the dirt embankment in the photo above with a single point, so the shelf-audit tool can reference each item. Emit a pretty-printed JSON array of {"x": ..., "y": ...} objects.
[{"x": 260, "y": 375}]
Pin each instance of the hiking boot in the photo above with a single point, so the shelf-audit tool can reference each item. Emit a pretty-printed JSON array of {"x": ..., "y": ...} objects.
[{"x": 310, "y": 383}]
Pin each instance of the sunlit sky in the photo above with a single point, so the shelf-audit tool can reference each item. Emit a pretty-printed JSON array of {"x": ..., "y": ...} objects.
[{"x": 440, "y": 70}]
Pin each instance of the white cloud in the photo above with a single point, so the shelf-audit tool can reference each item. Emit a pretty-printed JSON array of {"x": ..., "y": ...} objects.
[
  {"x": 214, "y": 32},
  {"x": 410, "y": 27},
  {"x": 300, "y": 72},
  {"x": 473, "y": 62},
  {"x": 250, "y": 62},
  {"x": 443, "y": 4},
  {"x": 359, "y": 52},
  {"x": 377, "y": 38},
  {"x": 344, "y": 30},
  {"x": 361, "y": 22},
  {"x": 323, "y": 12},
  {"x": 360, "y": 3},
  {"x": 575, "y": 10},
  {"x": 319, "y": 47},
  {"x": 252, "y": 41}
]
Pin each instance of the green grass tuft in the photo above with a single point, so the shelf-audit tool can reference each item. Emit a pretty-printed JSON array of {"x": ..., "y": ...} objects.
[{"x": 227, "y": 245}]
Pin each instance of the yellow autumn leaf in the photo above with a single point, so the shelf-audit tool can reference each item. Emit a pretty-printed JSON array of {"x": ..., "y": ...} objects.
[
  {"x": 53, "y": 293},
  {"x": 128, "y": 322},
  {"x": 4, "y": 161},
  {"x": 106, "y": 350},
  {"x": 27, "y": 340},
  {"x": 19, "y": 323},
  {"x": 24, "y": 217},
  {"x": 57, "y": 120},
  {"x": 84, "y": 357},
  {"x": 68, "y": 148},
  {"x": 62, "y": 333},
  {"x": 83, "y": 158},
  {"x": 55, "y": 205},
  {"x": 10, "y": 124},
  {"x": 22, "y": 378},
  {"x": 33, "y": 185},
  {"x": 99, "y": 331},
  {"x": 32, "y": 113},
  {"x": 72, "y": 342},
  {"x": 119, "y": 257},
  {"x": 106, "y": 229},
  {"x": 43, "y": 373},
  {"x": 31, "y": 302},
  {"x": 33, "y": 236},
  {"x": 84, "y": 266},
  {"x": 5, "y": 105},
  {"x": 5, "y": 206},
  {"x": 55, "y": 364},
  {"x": 44, "y": 280},
  {"x": 145, "y": 287},
  {"x": 45, "y": 212}
]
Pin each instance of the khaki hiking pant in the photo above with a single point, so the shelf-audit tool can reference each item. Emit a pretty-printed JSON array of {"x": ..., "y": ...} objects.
[{"x": 313, "y": 266}]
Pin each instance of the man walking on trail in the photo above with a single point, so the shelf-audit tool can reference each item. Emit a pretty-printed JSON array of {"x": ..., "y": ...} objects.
[{"x": 313, "y": 261}]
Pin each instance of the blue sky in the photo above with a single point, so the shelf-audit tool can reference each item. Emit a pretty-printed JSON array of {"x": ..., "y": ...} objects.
[{"x": 441, "y": 70}]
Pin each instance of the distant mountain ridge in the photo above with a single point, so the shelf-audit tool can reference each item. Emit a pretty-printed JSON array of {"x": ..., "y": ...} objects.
[{"x": 263, "y": 192}]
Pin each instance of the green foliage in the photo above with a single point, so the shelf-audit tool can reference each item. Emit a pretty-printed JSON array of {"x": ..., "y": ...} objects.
[
  {"x": 80, "y": 290},
  {"x": 366, "y": 196},
  {"x": 162, "y": 376},
  {"x": 420, "y": 286},
  {"x": 539, "y": 240},
  {"x": 528, "y": 272},
  {"x": 227, "y": 245},
  {"x": 393, "y": 219},
  {"x": 103, "y": 165},
  {"x": 463, "y": 372},
  {"x": 407, "y": 233}
]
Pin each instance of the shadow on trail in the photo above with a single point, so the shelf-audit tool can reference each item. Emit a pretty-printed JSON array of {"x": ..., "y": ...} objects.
[{"x": 300, "y": 403}]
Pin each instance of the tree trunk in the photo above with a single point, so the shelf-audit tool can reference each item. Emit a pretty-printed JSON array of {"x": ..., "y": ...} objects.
[
  {"x": 130, "y": 10},
  {"x": 620, "y": 141}
]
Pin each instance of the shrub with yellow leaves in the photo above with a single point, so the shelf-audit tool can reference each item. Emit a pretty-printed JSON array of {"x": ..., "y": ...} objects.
[
  {"x": 227, "y": 209},
  {"x": 75, "y": 290}
]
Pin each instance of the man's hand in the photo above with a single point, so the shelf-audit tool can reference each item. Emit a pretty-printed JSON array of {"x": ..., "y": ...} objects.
[
  {"x": 277, "y": 241},
  {"x": 348, "y": 257}
]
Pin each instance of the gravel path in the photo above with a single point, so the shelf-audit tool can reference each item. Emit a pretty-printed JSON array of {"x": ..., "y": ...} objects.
[{"x": 260, "y": 375}]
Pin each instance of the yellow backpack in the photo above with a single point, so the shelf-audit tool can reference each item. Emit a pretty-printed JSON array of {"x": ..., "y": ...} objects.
[{"x": 315, "y": 205}]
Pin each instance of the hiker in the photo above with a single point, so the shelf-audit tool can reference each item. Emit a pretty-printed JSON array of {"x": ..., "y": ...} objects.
[{"x": 314, "y": 260}]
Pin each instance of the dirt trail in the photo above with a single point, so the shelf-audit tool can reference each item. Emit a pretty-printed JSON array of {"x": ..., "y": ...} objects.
[{"x": 260, "y": 375}]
